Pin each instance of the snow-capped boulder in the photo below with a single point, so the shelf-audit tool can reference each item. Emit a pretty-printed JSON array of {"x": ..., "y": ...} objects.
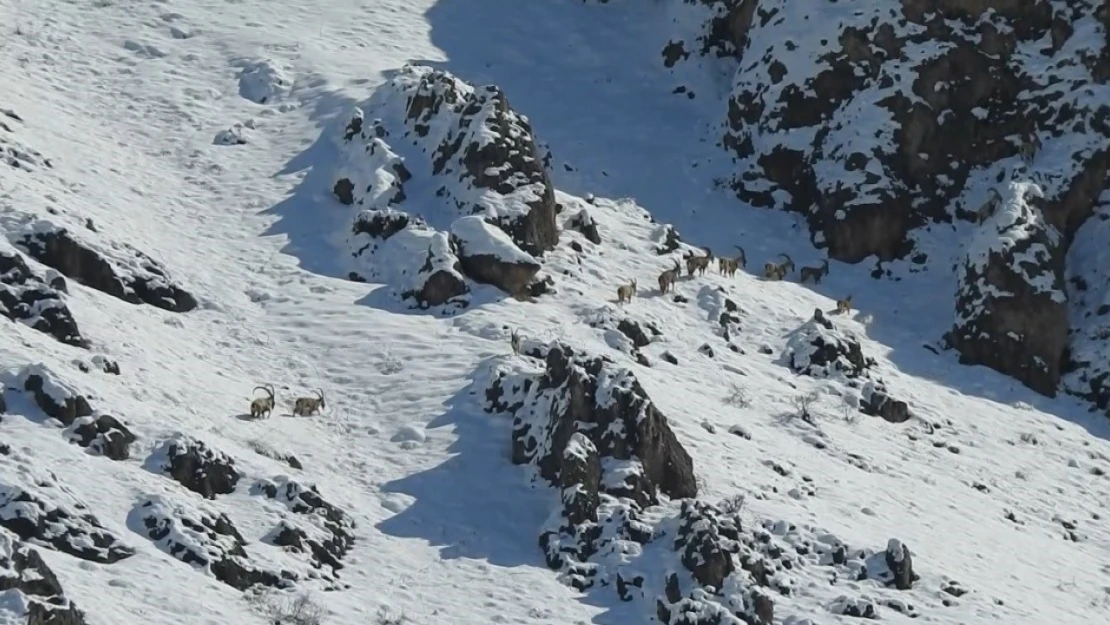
[
  {"x": 203, "y": 538},
  {"x": 32, "y": 300},
  {"x": 235, "y": 135},
  {"x": 115, "y": 268},
  {"x": 820, "y": 349},
  {"x": 264, "y": 82},
  {"x": 195, "y": 465},
  {"x": 877, "y": 402},
  {"x": 403, "y": 252},
  {"x": 1011, "y": 304},
  {"x": 57, "y": 398},
  {"x": 37, "y": 509},
  {"x": 34, "y": 594},
  {"x": 570, "y": 534},
  {"x": 103, "y": 435},
  {"x": 464, "y": 149},
  {"x": 870, "y": 121},
  {"x": 583, "y": 222},
  {"x": 489, "y": 256},
  {"x": 319, "y": 528}
]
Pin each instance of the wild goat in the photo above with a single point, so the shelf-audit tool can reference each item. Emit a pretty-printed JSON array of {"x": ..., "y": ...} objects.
[
  {"x": 729, "y": 266},
  {"x": 844, "y": 306},
  {"x": 698, "y": 263},
  {"x": 514, "y": 341},
  {"x": 306, "y": 406},
  {"x": 669, "y": 277},
  {"x": 625, "y": 292},
  {"x": 263, "y": 406},
  {"x": 778, "y": 271},
  {"x": 1029, "y": 148},
  {"x": 994, "y": 200},
  {"x": 814, "y": 273}
]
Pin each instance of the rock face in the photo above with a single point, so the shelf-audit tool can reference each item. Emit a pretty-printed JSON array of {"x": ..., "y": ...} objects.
[
  {"x": 24, "y": 573},
  {"x": 203, "y": 538},
  {"x": 865, "y": 160},
  {"x": 195, "y": 466},
  {"x": 319, "y": 528},
  {"x": 1011, "y": 307},
  {"x": 462, "y": 150},
  {"x": 123, "y": 271},
  {"x": 32, "y": 300}
]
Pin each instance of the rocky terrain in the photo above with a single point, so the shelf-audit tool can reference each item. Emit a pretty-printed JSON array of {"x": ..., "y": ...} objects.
[{"x": 535, "y": 280}]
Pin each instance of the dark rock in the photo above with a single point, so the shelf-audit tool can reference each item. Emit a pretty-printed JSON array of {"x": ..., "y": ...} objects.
[
  {"x": 671, "y": 240},
  {"x": 32, "y": 300},
  {"x": 58, "y": 401},
  {"x": 144, "y": 282},
  {"x": 819, "y": 349},
  {"x": 33, "y": 517},
  {"x": 900, "y": 563},
  {"x": 104, "y": 435},
  {"x": 214, "y": 544},
  {"x": 579, "y": 481},
  {"x": 24, "y": 573},
  {"x": 486, "y": 255},
  {"x": 875, "y": 401},
  {"x": 584, "y": 222},
  {"x": 320, "y": 528},
  {"x": 196, "y": 466},
  {"x": 702, "y": 547}
]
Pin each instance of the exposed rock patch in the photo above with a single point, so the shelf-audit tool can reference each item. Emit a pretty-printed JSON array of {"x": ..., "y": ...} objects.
[
  {"x": 35, "y": 508},
  {"x": 57, "y": 399},
  {"x": 32, "y": 300},
  {"x": 487, "y": 255},
  {"x": 118, "y": 270},
  {"x": 23, "y": 571},
  {"x": 321, "y": 529},
  {"x": 203, "y": 538},
  {"x": 195, "y": 466},
  {"x": 103, "y": 435}
]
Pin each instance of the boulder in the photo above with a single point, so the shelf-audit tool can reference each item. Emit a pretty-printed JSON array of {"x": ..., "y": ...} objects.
[
  {"x": 820, "y": 349},
  {"x": 56, "y": 398},
  {"x": 104, "y": 435},
  {"x": 196, "y": 466},
  {"x": 487, "y": 255},
  {"x": 318, "y": 528},
  {"x": 55, "y": 520},
  {"x": 31, "y": 584}
]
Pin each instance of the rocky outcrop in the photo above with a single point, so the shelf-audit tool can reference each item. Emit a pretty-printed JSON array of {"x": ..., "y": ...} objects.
[
  {"x": 34, "y": 300},
  {"x": 319, "y": 528},
  {"x": 821, "y": 349},
  {"x": 196, "y": 466},
  {"x": 103, "y": 435},
  {"x": 118, "y": 269},
  {"x": 1011, "y": 304},
  {"x": 52, "y": 518},
  {"x": 31, "y": 584},
  {"x": 203, "y": 538},
  {"x": 829, "y": 118},
  {"x": 402, "y": 251},
  {"x": 428, "y": 131},
  {"x": 487, "y": 255}
]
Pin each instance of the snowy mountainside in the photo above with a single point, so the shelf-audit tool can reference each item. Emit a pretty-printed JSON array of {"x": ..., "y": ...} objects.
[{"x": 730, "y": 451}]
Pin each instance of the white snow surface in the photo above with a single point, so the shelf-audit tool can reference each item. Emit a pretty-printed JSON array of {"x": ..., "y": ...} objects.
[{"x": 991, "y": 485}]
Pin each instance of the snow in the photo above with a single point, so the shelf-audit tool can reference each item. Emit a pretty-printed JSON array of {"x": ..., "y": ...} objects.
[{"x": 125, "y": 106}]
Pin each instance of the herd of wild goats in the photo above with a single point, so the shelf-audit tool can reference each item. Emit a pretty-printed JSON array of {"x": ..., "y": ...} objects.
[
  {"x": 728, "y": 267},
  {"x": 302, "y": 406}
]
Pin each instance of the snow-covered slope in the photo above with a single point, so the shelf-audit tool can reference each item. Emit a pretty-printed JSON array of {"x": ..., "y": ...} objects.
[{"x": 732, "y": 449}]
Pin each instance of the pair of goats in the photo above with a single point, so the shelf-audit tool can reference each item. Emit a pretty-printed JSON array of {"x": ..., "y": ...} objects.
[
  {"x": 302, "y": 406},
  {"x": 779, "y": 271}
]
